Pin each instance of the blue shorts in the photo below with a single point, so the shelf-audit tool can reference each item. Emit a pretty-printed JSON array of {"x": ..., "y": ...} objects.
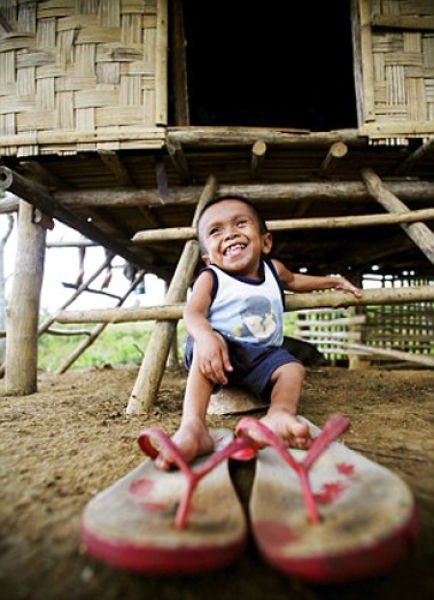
[{"x": 253, "y": 364}]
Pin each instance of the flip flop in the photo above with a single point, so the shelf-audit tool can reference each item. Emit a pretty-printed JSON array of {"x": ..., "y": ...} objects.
[
  {"x": 333, "y": 516},
  {"x": 150, "y": 522}
]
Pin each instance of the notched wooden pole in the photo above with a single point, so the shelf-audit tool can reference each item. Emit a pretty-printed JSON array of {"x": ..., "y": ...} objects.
[{"x": 152, "y": 368}]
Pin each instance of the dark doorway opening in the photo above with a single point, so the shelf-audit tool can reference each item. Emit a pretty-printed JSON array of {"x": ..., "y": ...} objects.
[{"x": 277, "y": 64}]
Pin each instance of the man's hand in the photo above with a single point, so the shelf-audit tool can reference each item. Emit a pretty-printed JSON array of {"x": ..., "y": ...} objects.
[{"x": 213, "y": 357}]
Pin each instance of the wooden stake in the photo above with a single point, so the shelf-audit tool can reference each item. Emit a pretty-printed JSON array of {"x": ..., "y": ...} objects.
[
  {"x": 23, "y": 312},
  {"x": 50, "y": 320},
  {"x": 421, "y": 235},
  {"x": 151, "y": 371},
  {"x": 96, "y": 332}
]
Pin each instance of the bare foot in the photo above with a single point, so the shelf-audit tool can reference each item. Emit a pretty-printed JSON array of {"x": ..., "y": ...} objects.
[
  {"x": 192, "y": 439},
  {"x": 286, "y": 426}
]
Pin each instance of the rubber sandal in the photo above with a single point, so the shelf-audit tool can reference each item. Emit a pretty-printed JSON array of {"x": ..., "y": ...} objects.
[
  {"x": 333, "y": 516},
  {"x": 150, "y": 522}
]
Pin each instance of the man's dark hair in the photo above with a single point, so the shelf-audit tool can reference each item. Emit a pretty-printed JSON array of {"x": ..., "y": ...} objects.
[{"x": 260, "y": 219}]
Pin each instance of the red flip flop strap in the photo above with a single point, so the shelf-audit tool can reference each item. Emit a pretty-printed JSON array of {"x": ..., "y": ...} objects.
[
  {"x": 193, "y": 477},
  {"x": 269, "y": 437},
  {"x": 334, "y": 427},
  {"x": 148, "y": 448},
  {"x": 235, "y": 446}
]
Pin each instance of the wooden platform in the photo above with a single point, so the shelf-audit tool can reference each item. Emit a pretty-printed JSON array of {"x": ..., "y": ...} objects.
[{"x": 117, "y": 194}]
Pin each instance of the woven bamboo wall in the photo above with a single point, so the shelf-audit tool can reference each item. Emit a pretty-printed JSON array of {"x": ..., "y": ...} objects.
[
  {"x": 403, "y": 327},
  {"x": 397, "y": 45},
  {"x": 406, "y": 327},
  {"x": 77, "y": 75}
]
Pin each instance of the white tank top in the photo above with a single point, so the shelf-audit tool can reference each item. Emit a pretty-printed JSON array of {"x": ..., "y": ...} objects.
[{"x": 247, "y": 310}]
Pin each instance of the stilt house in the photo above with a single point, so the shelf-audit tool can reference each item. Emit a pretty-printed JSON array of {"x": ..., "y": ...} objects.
[{"x": 114, "y": 114}]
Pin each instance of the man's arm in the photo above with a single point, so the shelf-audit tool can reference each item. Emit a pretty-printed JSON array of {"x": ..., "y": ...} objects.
[
  {"x": 299, "y": 282},
  {"x": 210, "y": 347}
]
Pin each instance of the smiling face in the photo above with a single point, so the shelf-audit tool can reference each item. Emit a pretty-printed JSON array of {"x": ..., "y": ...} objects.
[{"x": 231, "y": 237}]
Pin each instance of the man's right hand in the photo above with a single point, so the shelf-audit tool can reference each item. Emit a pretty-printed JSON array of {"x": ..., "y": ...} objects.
[{"x": 213, "y": 357}]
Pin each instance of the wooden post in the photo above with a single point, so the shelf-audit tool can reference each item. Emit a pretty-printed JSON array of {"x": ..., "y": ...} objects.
[
  {"x": 259, "y": 150},
  {"x": 151, "y": 371},
  {"x": 23, "y": 311},
  {"x": 336, "y": 151},
  {"x": 421, "y": 235}
]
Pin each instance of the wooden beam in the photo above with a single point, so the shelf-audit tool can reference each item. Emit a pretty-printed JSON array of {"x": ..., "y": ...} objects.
[
  {"x": 112, "y": 160},
  {"x": 329, "y": 299},
  {"x": 421, "y": 235},
  {"x": 336, "y": 151},
  {"x": 257, "y": 159},
  {"x": 161, "y": 177},
  {"x": 42, "y": 199},
  {"x": 150, "y": 137},
  {"x": 415, "y": 157},
  {"x": 203, "y": 137},
  {"x": 179, "y": 161},
  {"x": 149, "y": 216},
  {"x": 152, "y": 368},
  {"x": 187, "y": 233},
  {"x": 40, "y": 173},
  {"x": 336, "y": 191}
]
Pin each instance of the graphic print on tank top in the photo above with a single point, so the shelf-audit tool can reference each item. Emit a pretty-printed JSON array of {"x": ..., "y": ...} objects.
[{"x": 246, "y": 310}]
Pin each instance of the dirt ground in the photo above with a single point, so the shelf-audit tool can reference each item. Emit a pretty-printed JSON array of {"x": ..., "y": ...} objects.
[{"x": 62, "y": 445}]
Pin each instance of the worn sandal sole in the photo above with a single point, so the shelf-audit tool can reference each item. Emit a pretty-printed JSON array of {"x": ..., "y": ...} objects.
[
  {"x": 131, "y": 524},
  {"x": 367, "y": 515}
]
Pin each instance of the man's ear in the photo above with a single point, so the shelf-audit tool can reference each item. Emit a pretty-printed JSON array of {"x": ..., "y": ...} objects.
[{"x": 267, "y": 243}]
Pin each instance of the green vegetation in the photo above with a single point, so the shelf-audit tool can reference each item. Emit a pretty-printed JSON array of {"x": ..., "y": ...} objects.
[
  {"x": 124, "y": 343},
  {"x": 118, "y": 344}
]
